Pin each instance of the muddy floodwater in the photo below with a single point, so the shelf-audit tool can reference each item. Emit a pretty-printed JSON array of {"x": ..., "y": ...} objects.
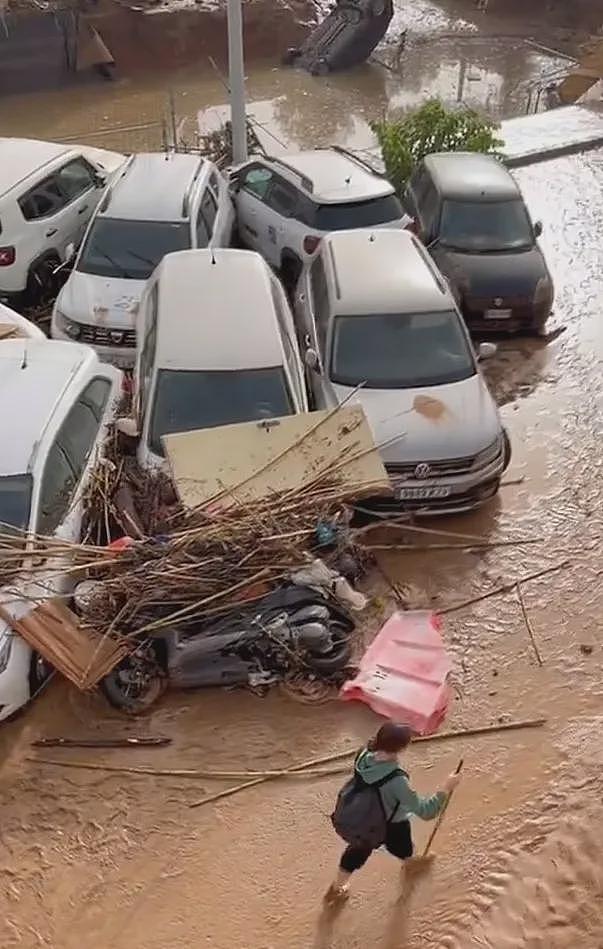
[
  {"x": 105, "y": 859},
  {"x": 100, "y": 858}
]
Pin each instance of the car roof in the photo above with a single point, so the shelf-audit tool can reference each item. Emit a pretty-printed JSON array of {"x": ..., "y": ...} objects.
[
  {"x": 14, "y": 325},
  {"x": 472, "y": 176},
  {"x": 21, "y": 157},
  {"x": 330, "y": 176},
  {"x": 216, "y": 311},
  {"x": 34, "y": 375},
  {"x": 402, "y": 276},
  {"x": 154, "y": 186}
]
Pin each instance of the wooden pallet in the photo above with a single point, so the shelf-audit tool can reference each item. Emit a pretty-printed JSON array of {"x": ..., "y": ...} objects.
[{"x": 80, "y": 653}]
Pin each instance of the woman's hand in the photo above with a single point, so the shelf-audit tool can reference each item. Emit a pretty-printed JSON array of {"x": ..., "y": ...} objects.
[{"x": 451, "y": 782}]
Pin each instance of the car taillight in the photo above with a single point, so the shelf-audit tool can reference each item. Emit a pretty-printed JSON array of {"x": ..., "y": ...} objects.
[
  {"x": 311, "y": 243},
  {"x": 7, "y": 256},
  {"x": 412, "y": 226}
]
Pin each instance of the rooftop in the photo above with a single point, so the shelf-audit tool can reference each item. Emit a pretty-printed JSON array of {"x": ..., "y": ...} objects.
[
  {"x": 35, "y": 389},
  {"x": 152, "y": 187},
  {"x": 337, "y": 177},
  {"x": 216, "y": 315},
  {"x": 402, "y": 276},
  {"x": 20, "y": 157},
  {"x": 469, "y": 176}
]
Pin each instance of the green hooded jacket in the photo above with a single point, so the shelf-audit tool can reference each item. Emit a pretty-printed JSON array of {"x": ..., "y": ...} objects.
[{"x": 398, "y": 797}]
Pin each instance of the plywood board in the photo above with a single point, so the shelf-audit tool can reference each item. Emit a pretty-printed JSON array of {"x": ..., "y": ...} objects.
[{"x": 236, "y": 463}]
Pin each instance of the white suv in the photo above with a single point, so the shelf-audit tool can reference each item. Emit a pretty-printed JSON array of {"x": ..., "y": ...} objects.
[
  {"x": 286, "y": 205},
  {"x": 160, "y": 203},
  {"x": 377, "y": 318},
  {"x": 48, "y": 193},
  {"x": 66, "y": 398}
]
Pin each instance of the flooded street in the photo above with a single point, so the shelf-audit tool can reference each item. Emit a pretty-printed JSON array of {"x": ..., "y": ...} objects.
[
  {"x": 452, "y": 51},
  {"x": 114, "y": 859},
  {"x": 99, "y": 858}
]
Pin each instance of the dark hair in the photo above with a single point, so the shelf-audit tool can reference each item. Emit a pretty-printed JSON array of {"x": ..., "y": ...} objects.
[{"x": 391, "y": 738}]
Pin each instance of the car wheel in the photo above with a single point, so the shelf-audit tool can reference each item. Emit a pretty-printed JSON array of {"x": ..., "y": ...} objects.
[
  {"x": 507, "y": 451},
  {"x": 41, "y": 281},
  {"x": 332, "y": 661},
  {"x": 290, "y": 271},
  {"x": 39, "y": 673},
  {"x": 134, "y": 685}
]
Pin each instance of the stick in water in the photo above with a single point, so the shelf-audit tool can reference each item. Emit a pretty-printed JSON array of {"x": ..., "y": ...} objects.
[{"x": 441, "y": 814}]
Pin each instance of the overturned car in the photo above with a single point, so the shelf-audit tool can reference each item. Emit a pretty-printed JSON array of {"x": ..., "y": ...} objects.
[{"x": 345, "y": 38}]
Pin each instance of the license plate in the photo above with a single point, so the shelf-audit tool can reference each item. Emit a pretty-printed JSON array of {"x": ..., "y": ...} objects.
[
  {"x": 498, "y": 314},
  {"x": 422, "y": 494}
]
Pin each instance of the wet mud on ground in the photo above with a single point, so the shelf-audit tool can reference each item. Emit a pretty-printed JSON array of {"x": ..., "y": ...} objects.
[{"x": 96, "y": 859}]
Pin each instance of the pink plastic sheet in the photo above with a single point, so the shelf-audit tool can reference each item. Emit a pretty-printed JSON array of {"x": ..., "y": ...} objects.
[{"x": 404, "y": 673}]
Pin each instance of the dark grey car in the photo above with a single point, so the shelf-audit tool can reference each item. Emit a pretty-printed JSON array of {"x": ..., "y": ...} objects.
[{"x": 469, "y": 212}]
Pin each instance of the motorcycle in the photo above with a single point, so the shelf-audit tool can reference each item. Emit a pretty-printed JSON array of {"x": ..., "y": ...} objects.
[{"x": 292, "y": 628}]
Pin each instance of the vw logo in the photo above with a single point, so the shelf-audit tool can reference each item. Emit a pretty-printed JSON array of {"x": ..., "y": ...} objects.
[
  {"x": 422, "y": 471},
  {"x": 498, "y": 301}
]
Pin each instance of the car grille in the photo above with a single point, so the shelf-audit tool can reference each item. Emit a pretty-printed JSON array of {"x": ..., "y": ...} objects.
[
  {"x": 437, "y": 469},
  {"x": 105, "y": 336}
]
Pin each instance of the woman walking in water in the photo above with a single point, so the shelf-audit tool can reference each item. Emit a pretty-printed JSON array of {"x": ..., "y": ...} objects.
[{"x": 374, "y": 807}]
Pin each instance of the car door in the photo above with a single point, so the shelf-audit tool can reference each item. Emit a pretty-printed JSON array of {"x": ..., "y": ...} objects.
[
  {"x": 318, "y": 311},
  {"x": 69, "y": 461},
  {"x": 82, "y": 186},
  {"x": 252, "y": 185},
  {"x": 207, "y": 232},
  {"x": 282, "y": 227},
  {"x": 46, "y": 229}
]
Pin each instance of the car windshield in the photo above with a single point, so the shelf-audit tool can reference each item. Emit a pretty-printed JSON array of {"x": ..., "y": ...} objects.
[
  {"x": 400, "y": 350},
  {"x": 15, "y": 501},
  {"x": 340, "y": 217},
  {"x": 186, "y": 400},
  {"x": 479, "y": 227},
  {"x": 130, "y": 249}
]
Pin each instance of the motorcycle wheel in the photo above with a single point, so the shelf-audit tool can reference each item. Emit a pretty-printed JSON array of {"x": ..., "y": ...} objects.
[
  {"x": 133, "y": 687},
  {"x": 332, "y": 661}
]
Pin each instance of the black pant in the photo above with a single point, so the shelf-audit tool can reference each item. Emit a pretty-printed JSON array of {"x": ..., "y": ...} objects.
[{"x": 398, "y": 842}]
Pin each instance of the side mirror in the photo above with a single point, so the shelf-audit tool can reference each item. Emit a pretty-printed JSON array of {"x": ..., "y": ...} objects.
[
  {"x": 100, "y": 180},
  {"x": 486, "y": 350},
  {"x": 69, "y": 253},
  {"x": 538, "y": 229},
  {"x": 311, "y": 358},
  {"x": 127, "y": 426}
]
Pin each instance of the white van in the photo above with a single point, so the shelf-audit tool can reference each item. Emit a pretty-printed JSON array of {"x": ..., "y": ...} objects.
[
  {"x": 375, "y": 315},
  {"x": 216, "y": 345}
]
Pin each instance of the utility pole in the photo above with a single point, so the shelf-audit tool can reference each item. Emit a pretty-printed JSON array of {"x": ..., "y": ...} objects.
[{"x": 236, "y": 81}]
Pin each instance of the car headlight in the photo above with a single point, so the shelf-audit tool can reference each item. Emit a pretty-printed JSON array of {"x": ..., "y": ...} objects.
[
  {"x": 6, "y": 644},
  {"x": 543, "y": 291},
  {"x": 70, "y": 327},
  {"x": 489, "y": 454}
]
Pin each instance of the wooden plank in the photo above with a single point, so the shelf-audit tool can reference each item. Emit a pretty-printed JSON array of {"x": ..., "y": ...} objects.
[
  {"x": 239, "y": 463},
  {"x": 81, "y": 654}
]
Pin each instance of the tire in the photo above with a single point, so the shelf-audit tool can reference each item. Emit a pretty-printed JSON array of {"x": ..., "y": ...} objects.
[
  {"x": 290, "y": 271},
  {"x": 39, "y": 673},
  {"x": 41, "y": 283},
  {"x": 507, "y": 450},
  {"x": 133, "y": 698},
  {"x": 334, "y": 661}
]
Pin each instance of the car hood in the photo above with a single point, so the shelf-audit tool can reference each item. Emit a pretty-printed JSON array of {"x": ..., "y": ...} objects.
[
  {"x": 104, "y": 301},
  {"x": 487, "y": 275},
  {"x": 432, "y": 423}
]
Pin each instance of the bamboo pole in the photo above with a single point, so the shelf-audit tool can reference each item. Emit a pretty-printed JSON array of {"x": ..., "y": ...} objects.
[
  {"x": 529, "y": 628},
  {"x": 504, "y": 588},
  {"x": 441, "y": 815}
]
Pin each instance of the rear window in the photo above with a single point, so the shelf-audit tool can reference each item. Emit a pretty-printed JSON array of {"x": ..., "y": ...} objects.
[{"x": 340, "y": 217}]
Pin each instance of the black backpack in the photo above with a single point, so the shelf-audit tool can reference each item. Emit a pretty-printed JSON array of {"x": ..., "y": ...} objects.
[{"x": 359, "y": 816}]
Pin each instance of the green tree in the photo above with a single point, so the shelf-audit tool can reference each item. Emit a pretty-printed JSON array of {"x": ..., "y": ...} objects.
[{"x": 431, "y": 128}]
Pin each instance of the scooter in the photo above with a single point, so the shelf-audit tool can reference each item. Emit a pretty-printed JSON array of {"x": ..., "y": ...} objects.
[{"x": 293, "y": 628}]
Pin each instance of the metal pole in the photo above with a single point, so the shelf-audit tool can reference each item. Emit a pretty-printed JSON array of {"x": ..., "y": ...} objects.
[{"x": 236, "y": 80}]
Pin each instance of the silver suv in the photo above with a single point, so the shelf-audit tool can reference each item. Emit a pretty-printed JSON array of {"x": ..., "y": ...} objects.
[{"x": 377, "y": 323}]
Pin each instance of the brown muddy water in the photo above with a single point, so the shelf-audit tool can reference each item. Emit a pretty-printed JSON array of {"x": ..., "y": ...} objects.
[
  {"x": 104, "y": 859},
  {"x": 453, "y": 51}
]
